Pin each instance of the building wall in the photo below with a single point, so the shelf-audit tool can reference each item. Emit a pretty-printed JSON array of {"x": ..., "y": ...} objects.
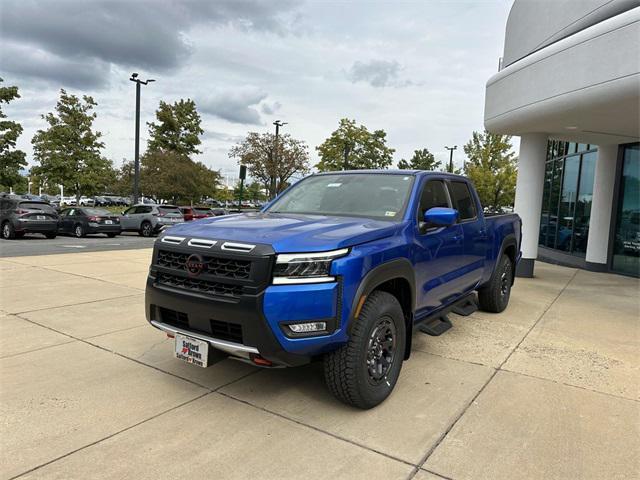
[
  {"x": 584, "y": 87},
  {"x": 535, "y": 24}
]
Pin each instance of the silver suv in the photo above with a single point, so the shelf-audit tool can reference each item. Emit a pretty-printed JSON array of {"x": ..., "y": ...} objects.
[{"x": 149, "y": 220}]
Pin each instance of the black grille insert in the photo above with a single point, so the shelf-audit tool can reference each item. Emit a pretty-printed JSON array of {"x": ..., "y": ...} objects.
[
  {"x": 199, "y": 285},
  {"x": 171, "y": 317},
  {"x": 218, "y": 267},
  {"x": 226, "y": 331}
]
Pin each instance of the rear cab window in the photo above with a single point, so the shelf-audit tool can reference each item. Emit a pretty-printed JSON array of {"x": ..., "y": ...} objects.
[{"x": 462, "y": 200}]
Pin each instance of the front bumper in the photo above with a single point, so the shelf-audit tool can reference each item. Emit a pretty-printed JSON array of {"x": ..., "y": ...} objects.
[{"x": 201, "y": 317}]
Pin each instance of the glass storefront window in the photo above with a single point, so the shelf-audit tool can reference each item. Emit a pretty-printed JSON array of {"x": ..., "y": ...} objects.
[
  {"x": 626, "y": 249},
  {"x": 583, "y": 204},
  {"x": 567, "y": 197}
]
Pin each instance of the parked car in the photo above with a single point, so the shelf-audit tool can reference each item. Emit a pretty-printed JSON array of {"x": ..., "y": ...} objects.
[
  {"x": 19, "y": 216},
  {"x": 187, "y": 213},
  {"x": 149, "y": 220},
  {"x": 80, "y": 221},
  {"x": 100, "y": 201},
  {"x": 204, "y": 212},
  {"x": 364, "y": 257}
]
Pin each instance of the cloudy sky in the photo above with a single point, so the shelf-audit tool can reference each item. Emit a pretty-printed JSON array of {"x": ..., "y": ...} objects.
[{"x": 415, "y": 69}]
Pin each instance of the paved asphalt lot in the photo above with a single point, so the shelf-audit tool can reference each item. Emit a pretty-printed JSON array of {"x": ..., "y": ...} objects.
[
  {"x": 546, "y": 390},
  {"x": 35, "y": 244}
]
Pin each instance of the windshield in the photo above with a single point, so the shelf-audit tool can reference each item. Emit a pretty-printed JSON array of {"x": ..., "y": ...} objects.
[
  {"x": 96, "y": 211},
  {"x": 45, "y": 207},
  {"x": 170, "y": 210},
  {"x": 374, "y": 195}
]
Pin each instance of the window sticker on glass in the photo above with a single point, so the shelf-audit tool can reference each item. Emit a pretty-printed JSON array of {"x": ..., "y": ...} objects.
[
  {"x": 333, "y": 185},
  {"x": 389, "y": 214}
]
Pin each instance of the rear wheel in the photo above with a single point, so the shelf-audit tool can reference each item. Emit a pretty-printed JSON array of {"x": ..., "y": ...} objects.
[
  {"x": 364, "y": 371},
  {"x": 78, "y": 231},
  {"x": 8, "y": 232},
  {"x": 494, "y": 297},
  {"x": 146, "y": 230}
]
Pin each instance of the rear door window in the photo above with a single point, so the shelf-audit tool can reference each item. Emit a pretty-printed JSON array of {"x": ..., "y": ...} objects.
[{"x": 462, "y": 200}]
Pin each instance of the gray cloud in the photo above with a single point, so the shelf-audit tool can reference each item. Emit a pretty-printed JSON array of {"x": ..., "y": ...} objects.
[
  {"x": 270, "y": 108},
  {"x": 377, "y": 73},
  {"x": 31, "y": 63},
  {"x": 141, "y": 34},
  {"x": 221, "y": 136},
  {"x": 236, "y": 106}
]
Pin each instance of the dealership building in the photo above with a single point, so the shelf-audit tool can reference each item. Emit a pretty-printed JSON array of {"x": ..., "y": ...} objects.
[{"x": 569, "y": 86}]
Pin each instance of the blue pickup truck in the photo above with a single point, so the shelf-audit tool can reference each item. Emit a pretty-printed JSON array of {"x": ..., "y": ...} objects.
[{"x": 342, "y": 267}]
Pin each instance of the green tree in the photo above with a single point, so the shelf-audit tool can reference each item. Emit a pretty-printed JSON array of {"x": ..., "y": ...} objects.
[
  {"x": 421, "y": 160},
  {"x": 491, "y": 166},
  {"x": 11, "y": 159},
  {"x": 177, "y": 129},
  {"x": 269, "y": 164},
  {"x": 353, "y": 147},
  {"x": 68, "y": 151},
  {"x": 168, "y": 175}
]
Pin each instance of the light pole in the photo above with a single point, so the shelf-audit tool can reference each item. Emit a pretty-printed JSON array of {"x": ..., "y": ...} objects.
[
  {"x": 278, "y": 124},
  {"x": 451, "y": 149},
  {"x": 136, "y": 163}
]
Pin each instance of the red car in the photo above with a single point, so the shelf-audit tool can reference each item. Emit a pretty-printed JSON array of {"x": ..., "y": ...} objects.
[{"x": 188, "y": 213}]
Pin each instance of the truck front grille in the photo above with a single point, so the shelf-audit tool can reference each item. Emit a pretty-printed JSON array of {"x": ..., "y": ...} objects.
[
  {"x": 217, "y": 267},
  {"x": 198, "y": 285}
]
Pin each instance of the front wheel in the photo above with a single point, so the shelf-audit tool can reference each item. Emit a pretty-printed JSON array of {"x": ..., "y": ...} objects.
[
  {"x": 146, "y": 230},
  {"x": 363, "y": 372},
  {"x": 494, "y": 297},
  {"x": 8, "y": 232}
]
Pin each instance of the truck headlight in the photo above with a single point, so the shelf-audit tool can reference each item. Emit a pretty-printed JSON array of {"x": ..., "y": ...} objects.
[{"x": 305, "y": 267}]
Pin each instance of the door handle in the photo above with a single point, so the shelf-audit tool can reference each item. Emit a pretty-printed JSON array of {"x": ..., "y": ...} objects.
[{"x": 457, "y": 238}]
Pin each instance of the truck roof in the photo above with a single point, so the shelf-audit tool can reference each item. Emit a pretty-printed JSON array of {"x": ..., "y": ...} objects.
[{"x": 394, "y": 172}]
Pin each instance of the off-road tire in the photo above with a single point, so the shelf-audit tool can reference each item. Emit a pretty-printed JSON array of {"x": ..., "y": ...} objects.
[
  {"x": 494, "y": 296},
  {"x": 8, "y": 232},
  {"x": 146, "y": 230},
  {"x": 346, "y": 370}
]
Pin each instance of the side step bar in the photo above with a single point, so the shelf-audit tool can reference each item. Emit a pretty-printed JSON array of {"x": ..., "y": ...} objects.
[{"x": 440, "y": 323}]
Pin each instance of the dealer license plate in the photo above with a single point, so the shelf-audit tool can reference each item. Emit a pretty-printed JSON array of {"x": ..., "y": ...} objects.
[
  {"x": 108, "y": 222},
  {"x": 192, "y": 350}
]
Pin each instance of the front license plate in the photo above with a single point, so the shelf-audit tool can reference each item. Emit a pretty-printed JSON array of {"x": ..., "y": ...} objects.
[
  {"x": 192, "y": 350},
  {"x": 108, "y": 222},
  {"x": 40, "y": 217}
]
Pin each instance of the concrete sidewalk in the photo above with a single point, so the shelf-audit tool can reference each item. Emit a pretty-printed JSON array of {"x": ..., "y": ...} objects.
[{"x": 547, "y": 390}]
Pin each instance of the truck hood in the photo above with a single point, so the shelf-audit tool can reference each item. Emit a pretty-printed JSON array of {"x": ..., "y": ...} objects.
[{"x": 289, "y": 232}]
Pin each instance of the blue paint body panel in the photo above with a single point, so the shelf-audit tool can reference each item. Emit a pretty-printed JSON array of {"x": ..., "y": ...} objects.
[{"x": 446, "y": 262}]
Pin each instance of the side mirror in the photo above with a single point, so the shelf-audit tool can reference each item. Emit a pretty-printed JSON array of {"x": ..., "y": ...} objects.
[{"x": 441, "y": 217}]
